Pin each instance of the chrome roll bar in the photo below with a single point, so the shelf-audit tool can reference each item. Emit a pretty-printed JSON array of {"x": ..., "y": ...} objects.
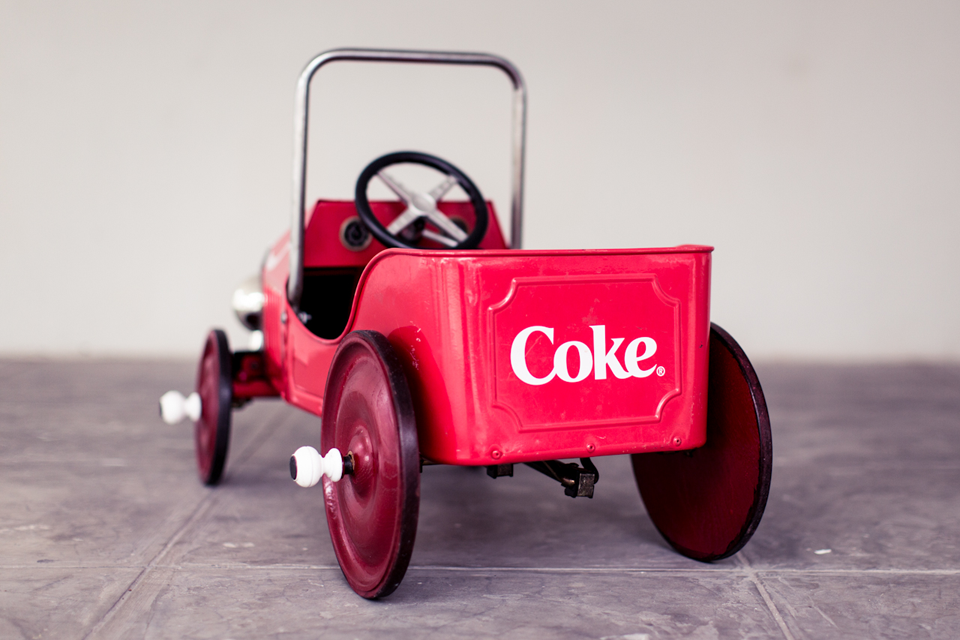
[{"x": 295, "y": 283}]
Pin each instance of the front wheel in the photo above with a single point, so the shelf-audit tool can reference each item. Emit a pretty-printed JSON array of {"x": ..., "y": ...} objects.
[
  {"x": 215, "y": 388},
  {"x": 707, "y": 502}
]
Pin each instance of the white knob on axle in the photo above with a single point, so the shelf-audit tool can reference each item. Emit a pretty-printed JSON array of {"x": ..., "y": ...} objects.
[
  {"x": 307, "y": 466},
  {"x": 174, "y": 407}
]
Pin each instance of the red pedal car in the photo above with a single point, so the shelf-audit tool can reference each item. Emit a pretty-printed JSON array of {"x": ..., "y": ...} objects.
[{"x": 420, "y": 336}]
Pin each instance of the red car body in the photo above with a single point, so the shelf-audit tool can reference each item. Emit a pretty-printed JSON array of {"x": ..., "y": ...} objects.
[{"x": 455, "y": 317}]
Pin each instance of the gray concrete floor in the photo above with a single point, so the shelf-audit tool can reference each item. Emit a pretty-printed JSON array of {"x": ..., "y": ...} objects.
[{"x": 105, "y": 531}]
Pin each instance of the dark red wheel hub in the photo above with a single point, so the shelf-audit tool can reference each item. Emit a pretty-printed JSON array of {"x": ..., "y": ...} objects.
[
  {"x": 707, "y": 502},
  {"x": 215, "y": 388},
  {"x": 372, "y": 513}
]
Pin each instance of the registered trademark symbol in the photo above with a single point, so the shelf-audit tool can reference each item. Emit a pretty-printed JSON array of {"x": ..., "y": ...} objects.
[{"x": 661, "y": 371}]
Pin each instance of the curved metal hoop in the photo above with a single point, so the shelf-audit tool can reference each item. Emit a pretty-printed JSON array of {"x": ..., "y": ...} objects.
[{"x": 295, "y": 283}]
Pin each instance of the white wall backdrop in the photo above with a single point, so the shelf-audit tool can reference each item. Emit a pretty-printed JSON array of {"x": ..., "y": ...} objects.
[{"x": 145, "y": 154}]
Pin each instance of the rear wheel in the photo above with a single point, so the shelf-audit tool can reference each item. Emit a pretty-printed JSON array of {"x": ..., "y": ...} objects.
[
  {"x": 707, "y": 502},
  {"x": 215, "y": 388},
  {"x": 368, "y": 415}
]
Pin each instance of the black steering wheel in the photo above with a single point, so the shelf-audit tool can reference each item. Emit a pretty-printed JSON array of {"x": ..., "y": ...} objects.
[{"x": 410, "y": 227}]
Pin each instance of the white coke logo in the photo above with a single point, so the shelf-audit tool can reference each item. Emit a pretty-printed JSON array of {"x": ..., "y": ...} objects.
[{"x": 598, "y": 360}]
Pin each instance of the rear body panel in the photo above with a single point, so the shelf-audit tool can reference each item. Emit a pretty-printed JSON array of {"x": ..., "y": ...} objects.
[{"x": 515, "y": 356}]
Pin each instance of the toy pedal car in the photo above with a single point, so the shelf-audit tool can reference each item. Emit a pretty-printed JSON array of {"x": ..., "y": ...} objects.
[{"x": 419, "y": 336}]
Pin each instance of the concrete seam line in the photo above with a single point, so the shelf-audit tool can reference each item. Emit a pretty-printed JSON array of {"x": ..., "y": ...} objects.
[
  {"x": 202, "y": 508},
  {"x": 766, "y": 597}
]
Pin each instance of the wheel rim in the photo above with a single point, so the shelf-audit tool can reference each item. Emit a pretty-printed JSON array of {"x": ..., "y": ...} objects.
[
  {"x": 372, "y": 514},
  {"x": 708, "y": 502},
  {"x": 214, "y": 386}
]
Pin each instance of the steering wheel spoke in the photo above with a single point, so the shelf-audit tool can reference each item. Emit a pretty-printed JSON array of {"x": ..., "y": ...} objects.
[
  {"x": 441, "y": 189},
  {"x": 402, "y": 192},
  {"x": 421, "y": 206},
  {"x": 403, "y": 221},
  {"x": 442, "y": 239},
  {"x": 446, "y": 225}
]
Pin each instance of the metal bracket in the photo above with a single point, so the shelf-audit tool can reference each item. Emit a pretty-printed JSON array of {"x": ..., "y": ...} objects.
[
  {"x": 426, "y": 462},
  {"x": 249, "y": 378},
  {"x": 578, "y": 482},
  {"x": 500, "y": 470}
]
